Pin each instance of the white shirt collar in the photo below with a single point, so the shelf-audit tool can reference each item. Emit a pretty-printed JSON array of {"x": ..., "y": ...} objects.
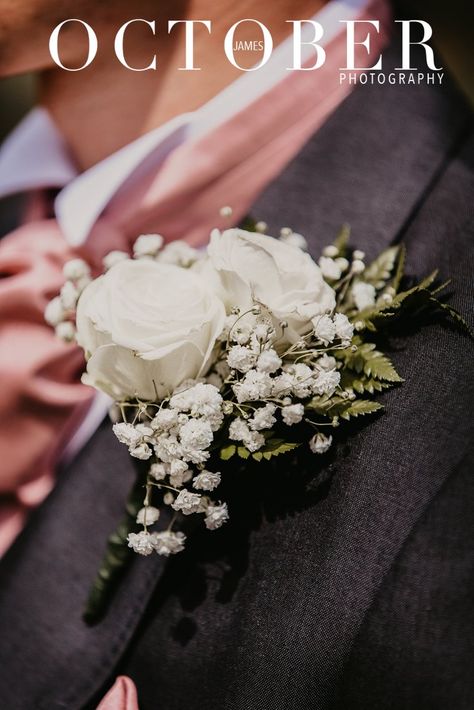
[{"x": 35, "y": 156}]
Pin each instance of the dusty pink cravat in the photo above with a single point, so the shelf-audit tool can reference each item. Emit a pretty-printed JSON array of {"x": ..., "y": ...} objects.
[{"x": 42, "y": 399}]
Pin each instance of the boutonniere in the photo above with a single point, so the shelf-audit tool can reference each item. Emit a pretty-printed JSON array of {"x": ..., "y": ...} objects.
[{"x": 247, "y": 350}]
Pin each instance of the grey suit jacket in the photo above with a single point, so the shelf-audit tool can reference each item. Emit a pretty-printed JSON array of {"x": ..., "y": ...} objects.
[{"x": 355, "y": 592}]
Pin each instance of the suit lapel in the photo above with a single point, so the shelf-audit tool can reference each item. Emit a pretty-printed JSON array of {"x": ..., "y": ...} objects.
[
  {"x": 361, "y": 168},
  {"x": 45, "y": 579},
  {"x": 370, "y": 165}
]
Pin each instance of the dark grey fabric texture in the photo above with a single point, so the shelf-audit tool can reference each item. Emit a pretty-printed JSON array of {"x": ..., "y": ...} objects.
[{"x": 342, "y": 582}]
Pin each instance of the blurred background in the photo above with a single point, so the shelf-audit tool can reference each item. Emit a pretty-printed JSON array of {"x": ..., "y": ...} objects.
[{"x": 452, "y": 21}]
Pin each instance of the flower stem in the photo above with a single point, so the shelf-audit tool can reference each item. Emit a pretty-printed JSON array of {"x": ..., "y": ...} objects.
[{"x": 117, "y": 556}]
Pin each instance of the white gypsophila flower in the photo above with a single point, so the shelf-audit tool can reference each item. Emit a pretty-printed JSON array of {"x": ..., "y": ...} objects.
[
  {"x": 255, "y": 268},
  {"x": 178, "y": 467},
  {"x": 292, "y": 414},
  {"x": 254, "y": 386},
  {"x": 114, "y": 257},
  {"x": 216, "y": 516},
  {"x": 196, "y": 434},
  {"x": 145, "y": 336},
  {"x": 76, "y": 269},
  {"x": 168, "y": 498},
  {"x": 326, "y": 382},
  {"x": 263, "y": 418},
  {"x": 168, "y": 543},
  {"x": 329, "y": 268},
  {"x": 324, "y": 329},
  {"x": 187, "y": 502},
  {"x": 179, "y": 478},
  {"x": 142, "y": 542},
  {"x": 178, "y": 253},
  {"x": 145, "y": 430},
  {"x": 69, "y": 295},
  {"x": 263, "y": 331},
  {"x": 363, "y": 295},
  {"x": 320, "y": 443},
  {"x": 254, "y": 441},
  {"x": 142, "y": 452},
  {"x": 54, "y": 312},
  {"x": 66, "y": 331},
  {"x": 167, "y": 448},
  {"x": 147, "y": 245},
  {"x": 295, "y": 239},
  {"x": 241, "y": 358},
  {"x": 148, "y": 515},
  {"x": 269, "y": 361},
  {"x": 179, "y": 473},
  {"x": 240, "y": 328},
  {"x": 207, "y": 481},
  {"x": 165, "y": 419},
  {"x": 326, "y": 362},
  {"x": 201, "y": 400},
  {"x": 282, "y": 385},
  {"x": 127, "y": 434},
  {"x": 238, "y": 430},
  {"x": 302, "y": 376},
  {"x": 159, "y": 471},
  {"x": 344, "y": 328}
]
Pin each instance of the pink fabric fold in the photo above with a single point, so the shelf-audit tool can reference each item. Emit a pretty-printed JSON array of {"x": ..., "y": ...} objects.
[{"x": 122, "y": 696}]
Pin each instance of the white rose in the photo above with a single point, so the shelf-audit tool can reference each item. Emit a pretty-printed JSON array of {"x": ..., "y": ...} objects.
[
  {"x": 255, "y": 267},
  {"x": 146, "y": 327}
]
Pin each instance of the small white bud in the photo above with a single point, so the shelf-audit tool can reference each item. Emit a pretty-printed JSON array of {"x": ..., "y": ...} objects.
[
  {"x": 285, "y": 232},
  {"x": 358, "y": 254},
  {"x": 168, "y": 498},
  {"x": 76, "y": 269},
  {"x": 69, "y": 295},
  {"x": 54, "y": 312},
  {"x": 261, "y": 227},
  {"x": 147, "y": 245},
  {"x": 331, "y": 251},
  {"x": 358, "y": 266},
  {"x": 226, "y": 211},
  {"x": 66, "y": 331},
  {"x": 114, "y": 257}
]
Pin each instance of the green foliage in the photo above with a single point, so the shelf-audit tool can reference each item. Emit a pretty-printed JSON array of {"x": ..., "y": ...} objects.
[
  {"x": 274, "y": 447},
  {"x": 337, "y": 406},
  {"x": 342, "y": 240},
  {"x": 369, "y": 361},
  {"x": 361, "y": 407},
  {"x": 227, "y": 452},
  {"x": 361, "y": 384},
  {"x": 117, "y": 555},
  {"x": 381, "y": 268}
]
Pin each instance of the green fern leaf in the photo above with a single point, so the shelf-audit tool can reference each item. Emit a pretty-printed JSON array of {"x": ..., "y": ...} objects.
[{"x": 361, "y": 407}]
